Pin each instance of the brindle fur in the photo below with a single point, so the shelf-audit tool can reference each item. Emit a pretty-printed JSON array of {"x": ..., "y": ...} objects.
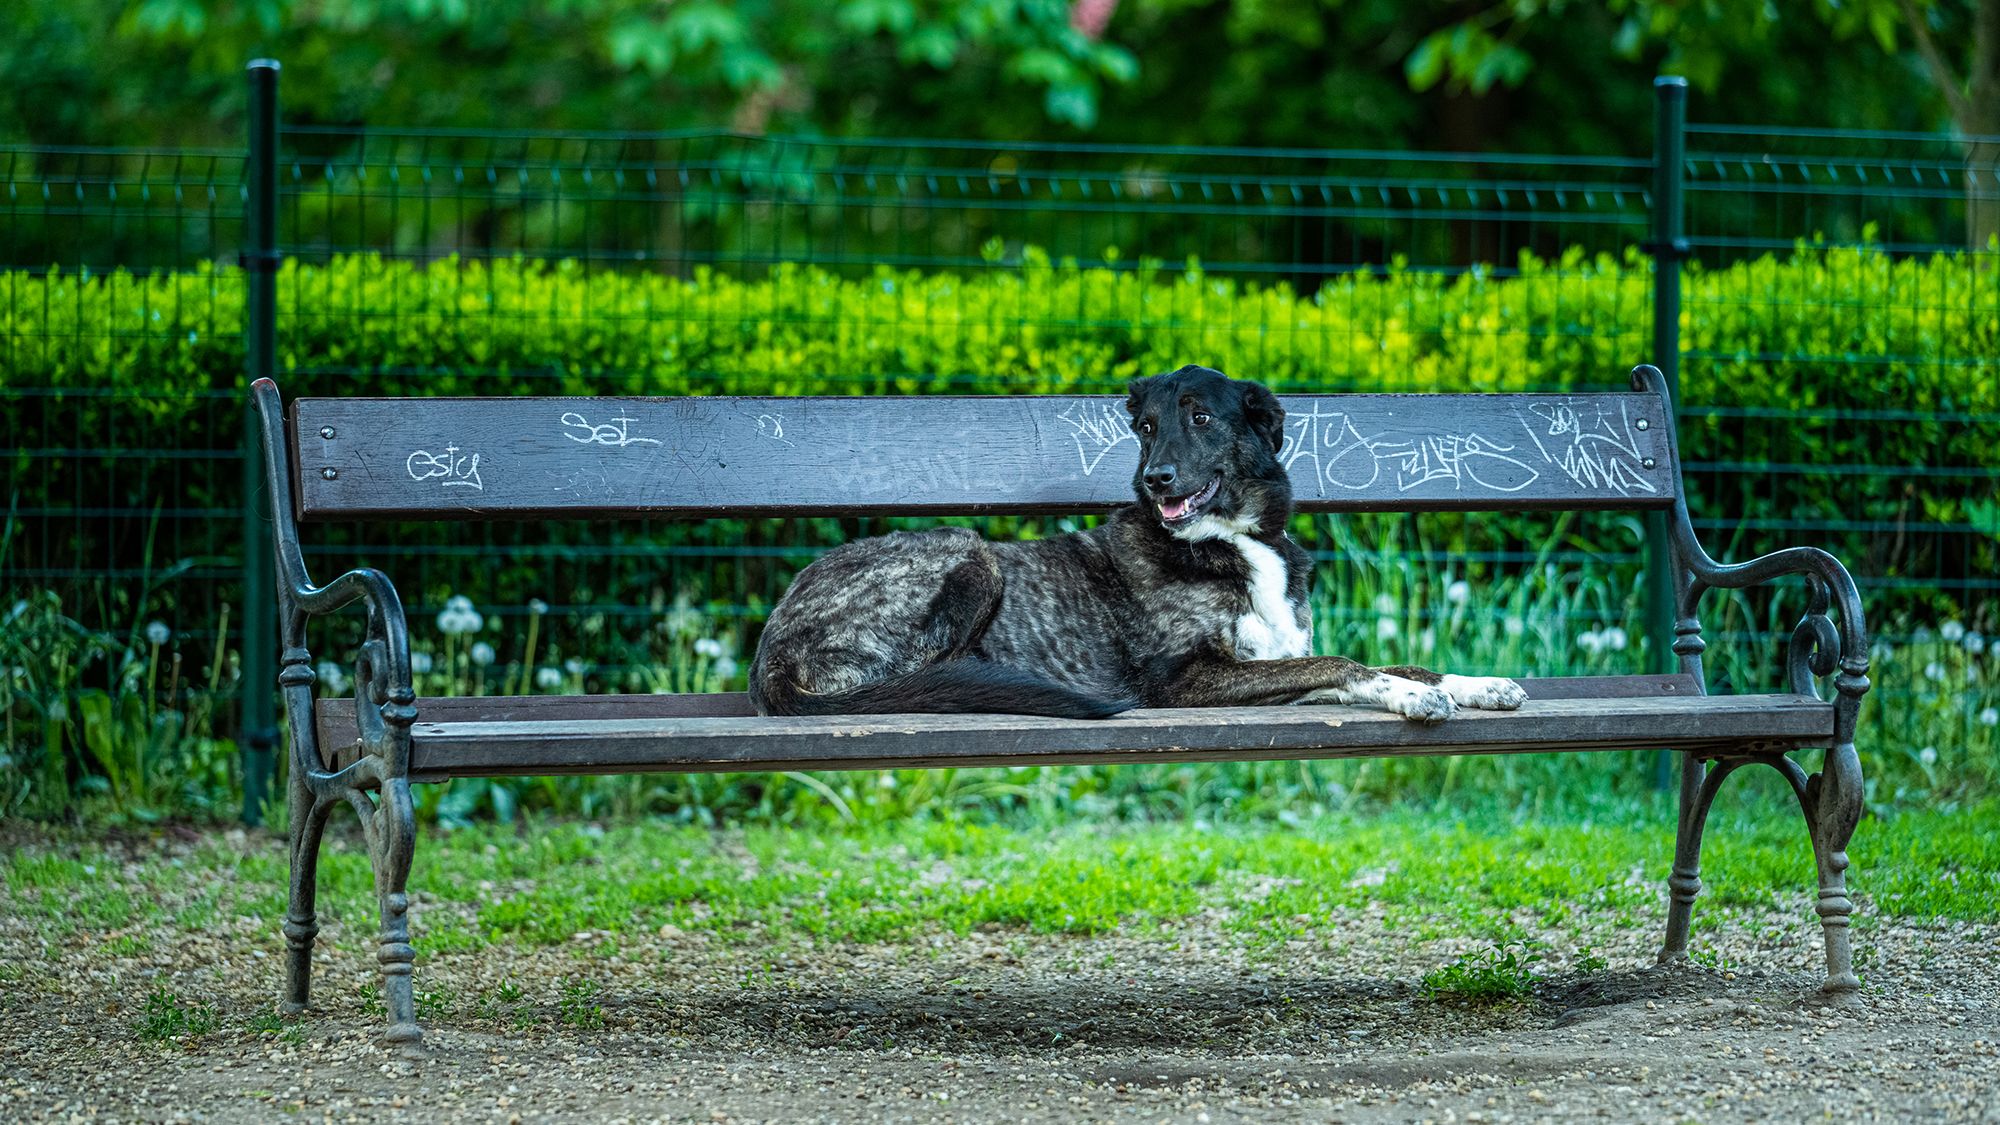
[{"x": 1139, "y": 611}]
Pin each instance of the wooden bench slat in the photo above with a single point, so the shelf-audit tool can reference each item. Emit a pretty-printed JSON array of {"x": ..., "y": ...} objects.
[
  {"x": 517, "y": 458},
  {"x": 468, "y": 748},
  {"x": 336, "y": 716}
]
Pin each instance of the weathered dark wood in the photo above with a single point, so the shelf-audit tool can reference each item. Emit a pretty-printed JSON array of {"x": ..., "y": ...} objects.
[
  {"x": 456, "y": 458},
  {"x": 473, "y": 748},
  {"x": 335, "y": 717}
]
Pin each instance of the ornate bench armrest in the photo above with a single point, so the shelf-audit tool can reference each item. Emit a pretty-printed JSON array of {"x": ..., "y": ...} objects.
[
  {"x": 385, "y": 696},
  {"x": 1818, "y": 646}
]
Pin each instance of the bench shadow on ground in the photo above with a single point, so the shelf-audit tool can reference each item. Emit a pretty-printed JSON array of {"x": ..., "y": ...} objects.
[{"x": 1066, "y": 1014}]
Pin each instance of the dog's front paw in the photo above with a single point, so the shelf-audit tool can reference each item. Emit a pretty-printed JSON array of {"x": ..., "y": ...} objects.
[
  {"x": 1486, "y": 693},
  {"x": 1413, "y": 700}
]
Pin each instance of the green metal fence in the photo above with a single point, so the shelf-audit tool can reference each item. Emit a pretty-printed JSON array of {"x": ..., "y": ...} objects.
[{"x": 128, "y": 495}]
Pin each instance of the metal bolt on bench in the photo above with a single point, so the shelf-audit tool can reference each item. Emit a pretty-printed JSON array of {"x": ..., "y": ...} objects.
[{"x": 696, "y": 458}]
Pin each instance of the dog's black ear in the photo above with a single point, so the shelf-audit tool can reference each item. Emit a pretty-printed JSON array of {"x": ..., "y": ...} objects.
[
  {"x": 1135, "y": 394},
  {"x": 1264, "y": 415}
]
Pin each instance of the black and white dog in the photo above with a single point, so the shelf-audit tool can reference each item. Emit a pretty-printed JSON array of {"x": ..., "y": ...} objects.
[{"x": 1193, "y": 596}]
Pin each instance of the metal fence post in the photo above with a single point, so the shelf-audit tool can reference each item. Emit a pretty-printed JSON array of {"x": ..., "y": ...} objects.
[
  {"x": 1669, "y": 249},
  {"x": 259, "y": 731}
]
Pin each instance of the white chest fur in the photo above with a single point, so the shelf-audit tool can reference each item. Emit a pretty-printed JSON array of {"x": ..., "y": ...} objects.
[{"x": 1271, "y": 630}]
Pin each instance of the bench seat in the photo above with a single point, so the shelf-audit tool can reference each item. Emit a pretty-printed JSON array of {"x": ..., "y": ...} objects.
[{"x": 497, "y": 736}]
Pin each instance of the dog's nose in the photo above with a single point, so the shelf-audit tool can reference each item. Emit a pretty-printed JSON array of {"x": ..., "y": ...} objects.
[{"x": 1159, "y": 478}]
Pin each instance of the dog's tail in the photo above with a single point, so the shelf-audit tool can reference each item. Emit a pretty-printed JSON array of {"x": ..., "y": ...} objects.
[{"x": 965, "y": 684}]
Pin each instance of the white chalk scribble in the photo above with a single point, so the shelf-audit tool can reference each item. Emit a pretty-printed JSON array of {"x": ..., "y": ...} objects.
[
  {"x": 1097, "y": 428},
  {"x": 615, "y": 433},
  {"x": 458, "y": 469}
]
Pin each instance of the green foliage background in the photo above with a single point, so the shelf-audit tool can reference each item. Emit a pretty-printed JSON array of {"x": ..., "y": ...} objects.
[{"x": 1767, "y": 335}]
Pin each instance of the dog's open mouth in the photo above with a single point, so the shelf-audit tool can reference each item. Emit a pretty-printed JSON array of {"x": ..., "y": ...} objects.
[{"x": 1181, "y": 509}]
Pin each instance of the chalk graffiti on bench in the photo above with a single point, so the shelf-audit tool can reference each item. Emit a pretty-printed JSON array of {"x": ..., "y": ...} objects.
[
  {"x": 1097, "y": 428},
  {"x": 1587, "y": 443},
  {"x": 615, "y": 433},
  {"x": 1594, "y": 447},
  {"x": 458, "y": 470},
  {"x": 1343, "y": 457}
]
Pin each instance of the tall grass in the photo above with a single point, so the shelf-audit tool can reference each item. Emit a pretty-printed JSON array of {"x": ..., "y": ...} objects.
[{"x": 118, "y": 723}]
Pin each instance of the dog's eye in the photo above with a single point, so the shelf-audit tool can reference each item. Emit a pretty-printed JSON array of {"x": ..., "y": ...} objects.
[
  {"x": 1146, "y": 428},
  {"x": 1200, "y": 418}
]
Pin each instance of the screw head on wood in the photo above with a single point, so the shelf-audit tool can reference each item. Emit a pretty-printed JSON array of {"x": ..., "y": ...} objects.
[
  {"x": 1648, "y": 462},
  {"x": 330, "y": 473},
  {"x": 327, "y": 431},
  {"x": 1643, "y": 424}
]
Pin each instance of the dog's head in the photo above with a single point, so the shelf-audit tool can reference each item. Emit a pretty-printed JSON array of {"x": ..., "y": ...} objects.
[{"x": 1208, "y": 453}]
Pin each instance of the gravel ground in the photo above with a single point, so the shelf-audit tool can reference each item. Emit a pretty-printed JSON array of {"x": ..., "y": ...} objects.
[{"x": 1003, "y": 1025}]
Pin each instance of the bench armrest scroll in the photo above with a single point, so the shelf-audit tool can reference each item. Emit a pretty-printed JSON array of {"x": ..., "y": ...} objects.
[
  {"x": 1818, "y": 646},
  {"x": 385, "y": 696}
]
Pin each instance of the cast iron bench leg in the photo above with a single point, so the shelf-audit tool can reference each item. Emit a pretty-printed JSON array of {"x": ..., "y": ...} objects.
[
  {"x": 301, "y": 922},
  {"x": 392, "y": 835},
  {"x": 1831, "y": 802},
  {"x": 1834, "y": 806}
]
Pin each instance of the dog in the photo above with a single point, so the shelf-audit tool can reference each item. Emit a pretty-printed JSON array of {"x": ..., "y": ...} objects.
[{"x": 1191, "y": 596}]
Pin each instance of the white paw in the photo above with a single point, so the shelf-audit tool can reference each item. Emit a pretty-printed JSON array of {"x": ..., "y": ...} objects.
[
  {"x": 1487, "y": 693},
  {"x": 1416, "y": 701}
]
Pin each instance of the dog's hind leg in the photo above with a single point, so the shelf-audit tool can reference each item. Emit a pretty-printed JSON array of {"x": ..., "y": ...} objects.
[
  {"x": 964, "y": 606},
  {"x": 1483, "y": 693}
]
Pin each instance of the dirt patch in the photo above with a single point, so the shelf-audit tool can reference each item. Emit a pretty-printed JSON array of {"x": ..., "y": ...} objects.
[{"x": 1185, "y": 1025}]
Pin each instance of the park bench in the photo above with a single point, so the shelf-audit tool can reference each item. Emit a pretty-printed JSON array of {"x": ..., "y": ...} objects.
[{"x": 361, "y": 459}]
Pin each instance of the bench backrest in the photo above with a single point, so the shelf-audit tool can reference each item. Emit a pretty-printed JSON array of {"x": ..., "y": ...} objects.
[{"x": 514, "y": 458}]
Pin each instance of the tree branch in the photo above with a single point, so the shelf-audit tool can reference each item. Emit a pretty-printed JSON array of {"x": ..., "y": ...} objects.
[{"x": 1941, "y": 72}]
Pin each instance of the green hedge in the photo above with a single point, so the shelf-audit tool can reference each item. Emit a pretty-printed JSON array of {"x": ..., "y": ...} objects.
[{"x": 1852, "y": 329}]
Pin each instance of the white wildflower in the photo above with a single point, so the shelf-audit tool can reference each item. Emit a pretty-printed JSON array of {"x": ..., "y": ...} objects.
[
  {"x": 537, "y": 606},
  {"x": 1427, "y": 641},
  {"x": 1975, "y": 643},
  {"x": 420, "y": 662},
  {"x": 726, "y": 667},
  {"x": 573, "y": 666},
  {"x": 332, "y": 677},
  {"x": 1385, "y": 628},
  {"x": 157, "y": 633},
  {"x": 482, "y": 654},
  {"x": 458, "y": 617},
  {"x": 1384, "y": 604},
  {"x": 1590, "y": 641},
  {"x": 548, "y": 679},
  {"x": 1990, "y": 716},
  {"x": 1928, "y": 755},
  {"x": 1615, "y": 639},
  {"x": 1514, "y": 626},
  {"x": 1951, "y": 631},
  {"x": 709, "y": 647},
  {"x": 1934, "y": 672},
  {"x": 1459, "y": 592},
  {"x": 887, "y": 781}
]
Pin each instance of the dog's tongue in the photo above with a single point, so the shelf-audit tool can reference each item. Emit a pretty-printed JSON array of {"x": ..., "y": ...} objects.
[{"x": 1175, "y": 509}]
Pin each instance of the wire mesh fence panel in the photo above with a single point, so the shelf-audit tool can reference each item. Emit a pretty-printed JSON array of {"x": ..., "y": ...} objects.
[
  {"x": 119, "y": 411},
  {"x": 1863, "y": 413}
]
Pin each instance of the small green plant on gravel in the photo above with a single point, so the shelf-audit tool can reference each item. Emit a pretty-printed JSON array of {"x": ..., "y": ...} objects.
[
  {"x": 166, "y": 1017},
  {"x": 495, "y": 1000},
  {"x": 1588, "y": 960},
  {"x": 1710, "y": 959},
  {"x": 578, "y": 1005},
  {"x": 432, "y": 1003},
  {"x": 1493, "y": 975},
  {"x": 284, "y": 1030}
]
